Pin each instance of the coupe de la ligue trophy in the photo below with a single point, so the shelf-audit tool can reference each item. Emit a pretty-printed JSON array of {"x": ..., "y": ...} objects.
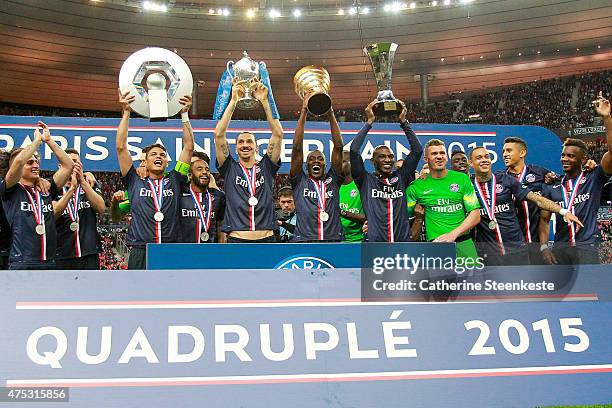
[{"x": 381, "y": 57}]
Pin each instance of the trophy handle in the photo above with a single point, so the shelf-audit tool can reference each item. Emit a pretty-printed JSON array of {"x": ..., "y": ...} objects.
[{"x": 230, "y": 69}]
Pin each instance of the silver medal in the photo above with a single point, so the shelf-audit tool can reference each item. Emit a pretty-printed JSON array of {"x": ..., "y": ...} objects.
[
  {"x": 323, "y": 216},
  {"x": 74, "y": 226},
  {"x": 492, "y": 224},
  {"x": 40, "y": 229},
  {"x": 253, "y": 201},
  {"x": 204, "y": 237},
  {"x": 159, "y": 216}
]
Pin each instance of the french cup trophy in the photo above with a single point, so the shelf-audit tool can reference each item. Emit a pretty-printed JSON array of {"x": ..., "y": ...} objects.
[
  {"x": 247, "y": 70},
  {"x": 158, "y": 78},
  {"x": 313, "y": 82},
  {"x": 381, "y": 57}
]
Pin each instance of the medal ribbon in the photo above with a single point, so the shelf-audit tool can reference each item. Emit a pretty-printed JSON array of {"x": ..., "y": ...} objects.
[
  {"x": 37, "y": 210},
  {"x": 251, "y": 178},
  {"x": 489, "y": 206},
  {"x": 569, "y": 196},
  {"x": 321, "y": 191},
  {"x": 520, "y": 177},
  {"x": 204, "y": 218},
  {"x": 157, "y": 190},
  {"x": 390, "y": 231},
  {"x": 73, "y": 214}
]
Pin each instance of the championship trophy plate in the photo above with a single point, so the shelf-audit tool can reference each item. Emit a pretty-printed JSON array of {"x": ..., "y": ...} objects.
[
  {"x": 313, "y": 82},
  {"x": 381, "y": 57},
  {"x": 158, "y": 78}
]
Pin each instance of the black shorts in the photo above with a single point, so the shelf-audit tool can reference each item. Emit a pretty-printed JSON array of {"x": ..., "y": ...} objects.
[{"x": 87, "y": 262}]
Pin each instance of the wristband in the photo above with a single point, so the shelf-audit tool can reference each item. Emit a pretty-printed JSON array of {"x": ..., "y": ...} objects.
[
  {"x": 184, "y": 117},
  {"x": 543, "y": 247},
  {"x": 562, "y": 212}
]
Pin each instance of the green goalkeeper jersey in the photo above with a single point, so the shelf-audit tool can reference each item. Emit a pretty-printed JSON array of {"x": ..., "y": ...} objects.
[{"x": 447, "y": 201}]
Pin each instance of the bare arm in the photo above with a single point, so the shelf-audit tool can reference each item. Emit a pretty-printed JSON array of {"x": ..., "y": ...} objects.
[
  {"x": 336, "y": 155},
  {"x": 417, "y": 225},
  {"x": 15, "y": 171},
  {"x": 276, "y": 139},
  {"x": 470, "y": 222},
  {"x": 123, "y": 156},
  {"x": 188, "y": 143},
  {"x": 602, "y": 106},
  {"x": 61, "y": 176},
  {"x": 543, "y": 229},
  {"x": 60, "y": 205},
  {"x": 297, "y": 152},
  {"x": 96, "y": 200},
  {"x": 116, "y": 214},
  {"x": 550, "y": 206},
  {"x": 221, "y": 145}
]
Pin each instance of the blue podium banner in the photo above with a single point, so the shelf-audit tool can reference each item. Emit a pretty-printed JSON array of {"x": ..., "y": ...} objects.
[
  {"x": 95, "y": 138},
  {"x": 278, "y": 338}
]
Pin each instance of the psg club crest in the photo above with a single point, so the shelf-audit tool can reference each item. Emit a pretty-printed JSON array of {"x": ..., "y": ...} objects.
[
  {"x": 454, "y": 187},
  {"x": 328, "y": 180},
  {"x": 394, "y": 180},
  {"x": 530, "y": 178},
  {"x": 353, "y": 193},
  {"x": 583, "y": 180},
  {"x": 499, "y": 188}
]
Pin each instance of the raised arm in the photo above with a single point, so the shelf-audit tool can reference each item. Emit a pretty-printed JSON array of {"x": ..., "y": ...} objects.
[
  {"x": 602, "y": 106},
  {"x": 123, "y": 156},
  {"x": 336, "y": 155},
  {"x": 62, "y": 175},
  {"x": 60, "y": 205},
  {"x": 15, "y": 171},
  {"x": 297, "y": 152},
  {"x": 357, "y": 166},
  {"x": 188, "y": 143},
  {"x": 95, "y": 198},
  {"x": 276, "y": 138},
  {"x": 416, "y": 150},
  {"x": 221, "y": 145}
]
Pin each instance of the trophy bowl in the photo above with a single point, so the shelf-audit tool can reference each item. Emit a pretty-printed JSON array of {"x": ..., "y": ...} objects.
[
  {"x": 313, "y": 82},
  {"x": 381, "y": 58},
  {"x": 158, "y": 78},
  {"x": 247, "y": 70}
]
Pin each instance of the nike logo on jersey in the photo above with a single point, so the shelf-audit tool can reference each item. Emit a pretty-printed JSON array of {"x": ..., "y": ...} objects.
[
  {"x": 427, "y": 191},
  {"x": 557, "y": 186}
]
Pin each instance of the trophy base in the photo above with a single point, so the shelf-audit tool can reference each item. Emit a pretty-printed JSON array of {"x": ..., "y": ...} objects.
[
  {"x": 319, "y": 104},
  {"x": 387, "y": 108},
  {"x": 158, "y": 119}
]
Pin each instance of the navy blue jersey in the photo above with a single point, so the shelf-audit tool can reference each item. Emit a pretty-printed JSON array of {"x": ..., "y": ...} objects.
[
  {"x": 85, "y": 240},
  {"x": 144, "y": 228},
  {"x": 585, "y": 206},
  {"x": 508, "y": 234},
  {"x": 384, "y": 199},
  {"x": 191, "y": 225},
  {"x": 528, "y": 211},
  {"x": 310, "y": 225},
  {"x": 239, "y": 215},
  {"x": 26, "y": 244}
]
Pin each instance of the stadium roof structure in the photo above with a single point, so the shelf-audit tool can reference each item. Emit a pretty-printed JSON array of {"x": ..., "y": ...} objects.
[{"x": 67, "y": 53}]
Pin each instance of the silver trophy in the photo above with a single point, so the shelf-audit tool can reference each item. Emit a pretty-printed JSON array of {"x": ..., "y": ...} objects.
[
  {"x": 158, "y": 78},
  {"x": 245, "y": 70},
  {"x": 381, "y": 57}
]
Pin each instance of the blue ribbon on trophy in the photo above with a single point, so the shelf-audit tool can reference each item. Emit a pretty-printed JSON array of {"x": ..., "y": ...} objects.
[{"x": 244, "y": 69}]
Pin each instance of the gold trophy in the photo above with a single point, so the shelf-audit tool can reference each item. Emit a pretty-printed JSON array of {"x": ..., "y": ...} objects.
[{"x": 313, "y": 82}]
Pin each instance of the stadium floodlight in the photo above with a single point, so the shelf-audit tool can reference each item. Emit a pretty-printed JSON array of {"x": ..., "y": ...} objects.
[
  {"x": 340, "y": 12},
  {"x": 353, "y": 11},
  {"x": 396, "y": 6},
  {"x": 466, "y": 1},
  {"x": 250, "y": 13},
  {"x": 226, "y": 12},
  {"x": 387, "y": 7},
  {"x": 153, "y": 6},
  {"x": 434, "y": 3},
  {"x": 274, "y": 13},
  {"x": 297, "y": 13},
  {"x": 365, "y": 10},
  {"x": 412, "y": 5},
  {"x": 220, "y": 12},
  {"x": 447, "y": 2}
]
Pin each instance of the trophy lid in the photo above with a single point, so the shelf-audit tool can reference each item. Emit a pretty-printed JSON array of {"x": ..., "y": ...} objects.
[{"x": 247, "y": 66}]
